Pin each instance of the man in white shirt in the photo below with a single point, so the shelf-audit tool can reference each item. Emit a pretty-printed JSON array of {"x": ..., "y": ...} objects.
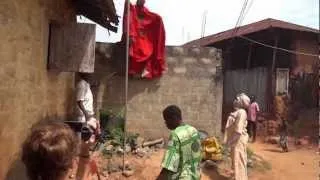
[
  {"x": 84, "y": 98},
  {"x": 85, "y": 114}
]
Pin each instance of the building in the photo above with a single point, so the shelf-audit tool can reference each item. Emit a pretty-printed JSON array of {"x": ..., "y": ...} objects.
[
  {"x": 193, "y": 81},
  {"x": 266, "y": 58},
  {"x": 29, "y": 92}
]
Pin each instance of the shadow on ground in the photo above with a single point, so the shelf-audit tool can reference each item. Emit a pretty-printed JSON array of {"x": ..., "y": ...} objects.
[{"x": 274, "y": 150}]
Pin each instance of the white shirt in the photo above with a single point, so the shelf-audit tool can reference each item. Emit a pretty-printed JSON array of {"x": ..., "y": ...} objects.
[{"x": 84, "y": 94}]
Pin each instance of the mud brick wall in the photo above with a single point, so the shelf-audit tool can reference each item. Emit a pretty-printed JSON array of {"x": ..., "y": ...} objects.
[
  {"x": 28, "y": 92},
  {"x": 192, "y": 82}
]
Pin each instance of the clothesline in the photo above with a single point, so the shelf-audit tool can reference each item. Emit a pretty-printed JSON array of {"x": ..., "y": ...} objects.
[{"x": 282, "y": 49}]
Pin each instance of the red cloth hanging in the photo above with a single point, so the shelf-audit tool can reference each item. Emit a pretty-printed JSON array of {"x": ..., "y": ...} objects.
[{"x": 147, "y": 42}]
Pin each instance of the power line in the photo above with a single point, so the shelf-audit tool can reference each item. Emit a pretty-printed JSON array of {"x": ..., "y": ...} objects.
[
  {"x": 281, "y": 49},
  {"x": 247, "y": 10},
  {"x": 239, "y": 21},
  {"x": 240, "y": 18}
]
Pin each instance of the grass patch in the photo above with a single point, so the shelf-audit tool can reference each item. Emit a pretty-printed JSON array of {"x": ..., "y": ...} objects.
[{"x": 258, "y": 163}]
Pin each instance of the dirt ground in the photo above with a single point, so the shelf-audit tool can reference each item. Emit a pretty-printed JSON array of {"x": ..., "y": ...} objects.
[
  {"x": 301, "y": 163},
  {"x": 298, "y": 164}
]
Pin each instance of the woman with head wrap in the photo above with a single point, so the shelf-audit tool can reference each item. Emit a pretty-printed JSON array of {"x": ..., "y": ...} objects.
[{"x": 236, "y": 136}]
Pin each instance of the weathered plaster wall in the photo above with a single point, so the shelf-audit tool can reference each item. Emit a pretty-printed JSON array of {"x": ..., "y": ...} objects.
[
  {"x": 191, "y": 82},
  {"x": 28, "y": 92}
]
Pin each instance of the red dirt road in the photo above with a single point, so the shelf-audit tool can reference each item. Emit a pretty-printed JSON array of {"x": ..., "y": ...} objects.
[{"x": 298, "y": 164}]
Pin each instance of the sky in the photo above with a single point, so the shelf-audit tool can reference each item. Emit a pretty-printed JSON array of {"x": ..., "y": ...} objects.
[{"x": 183, "y": 18}]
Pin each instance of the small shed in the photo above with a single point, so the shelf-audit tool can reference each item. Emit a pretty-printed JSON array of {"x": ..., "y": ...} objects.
[{"x": 266, "y": 58}]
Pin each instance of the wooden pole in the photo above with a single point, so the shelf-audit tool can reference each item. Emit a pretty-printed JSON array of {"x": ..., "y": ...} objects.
[
  {"x": 272, "y": 71},
  {"x": 151, "y": 143},
  {"x": 249, "y": 56},
  {"x": 274, "y": 56}
]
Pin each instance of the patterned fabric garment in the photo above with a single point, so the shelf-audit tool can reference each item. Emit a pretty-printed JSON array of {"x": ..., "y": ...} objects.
[{"x": 183, "y": 154}]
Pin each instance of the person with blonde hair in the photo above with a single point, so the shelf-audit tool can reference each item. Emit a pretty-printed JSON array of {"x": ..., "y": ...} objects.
[
  {"x": 236, "y": 136},
  {"x": 50, "y": 151}
]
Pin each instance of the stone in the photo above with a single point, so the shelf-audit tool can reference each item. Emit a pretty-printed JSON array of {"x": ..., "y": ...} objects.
[
  {"x": 104, "y": 174},
  {"x": 189, "y": 60},
  {"x": 250, "y": 163},
  {"x": 109, "y": 147},
  {"x": 180, "y": 70},
  {"x": 171, "y": 60},
  {"x": 196, "y": 51},
  {"x": 140, "y": 141},
  {"x": 178, "y": 51},
  {"x": 141, "y": 152},
  {"x": 72, "y": 176},
  {"x": 113, "y": 168},
  {"x": 126, "y": 166},
  {"x": 120, "y": 150},
  {"x": 212, "y": 70},
  {"x": 128, "y": 148},
  {"x": 159, "y": 146},
  {"x": 206, "y": 60},
  {"x": 128, "y": 173},
  {"x": 212, "y": 52}
]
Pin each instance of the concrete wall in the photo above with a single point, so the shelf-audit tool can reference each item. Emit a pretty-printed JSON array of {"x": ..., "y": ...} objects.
[
  {"x": 28, "y": 92},
  {"x": 190, "y": 82}
]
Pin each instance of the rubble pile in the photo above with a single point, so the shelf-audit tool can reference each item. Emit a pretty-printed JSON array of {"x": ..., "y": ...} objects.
[{"x": 135, "y": 146}]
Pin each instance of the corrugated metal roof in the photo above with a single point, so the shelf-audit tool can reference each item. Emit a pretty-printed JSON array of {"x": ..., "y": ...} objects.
[
  {"x": 248, "y": 29},
  {"x": 102, "y": 12}
]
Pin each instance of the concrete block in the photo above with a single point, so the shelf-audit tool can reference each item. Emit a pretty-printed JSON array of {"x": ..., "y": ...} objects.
[{"x": 180, "y": 70}]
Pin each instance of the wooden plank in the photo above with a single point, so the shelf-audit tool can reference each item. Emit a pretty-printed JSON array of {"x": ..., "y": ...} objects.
[
  {"x": 72, "y": 47},
  {"x": 249, "y": 56},
  {"x": 274, "y": 56}
]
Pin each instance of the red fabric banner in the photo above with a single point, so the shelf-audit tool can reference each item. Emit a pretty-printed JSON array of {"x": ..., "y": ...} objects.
[{"x": 147, "y": 42}]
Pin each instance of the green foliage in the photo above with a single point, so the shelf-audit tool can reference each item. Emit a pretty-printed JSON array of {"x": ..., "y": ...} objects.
[
  {"x": 112, "y": 119},
  {"x": 117, "y": 135},
  {"x": 250, "y": 153}
]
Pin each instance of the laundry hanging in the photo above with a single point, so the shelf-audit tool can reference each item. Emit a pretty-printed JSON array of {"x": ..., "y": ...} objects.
[{"x": 147, "y": 42}]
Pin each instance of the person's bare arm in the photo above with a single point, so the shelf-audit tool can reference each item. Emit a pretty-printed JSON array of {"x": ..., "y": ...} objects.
[
  {"x": 258, "y": 108},
  {"x": 240, "y": 118},
  {"x": 81, "y": 106}
]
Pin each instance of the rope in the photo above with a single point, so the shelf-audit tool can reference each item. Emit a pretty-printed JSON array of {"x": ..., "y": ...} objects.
[{"x": 281, "y": 49}]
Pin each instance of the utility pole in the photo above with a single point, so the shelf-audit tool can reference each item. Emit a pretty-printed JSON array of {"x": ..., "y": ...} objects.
[
  {"x": 183, "y": 34},
  {"x": 204, "y": 22}
]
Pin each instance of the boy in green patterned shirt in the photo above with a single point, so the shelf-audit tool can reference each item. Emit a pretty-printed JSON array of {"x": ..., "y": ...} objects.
[{"x": 183, "y": 155}]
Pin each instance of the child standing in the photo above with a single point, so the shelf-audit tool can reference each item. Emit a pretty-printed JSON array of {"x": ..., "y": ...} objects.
[
  {"x": 284, "y": 135},
  {"x": 253, "y": 111}
]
